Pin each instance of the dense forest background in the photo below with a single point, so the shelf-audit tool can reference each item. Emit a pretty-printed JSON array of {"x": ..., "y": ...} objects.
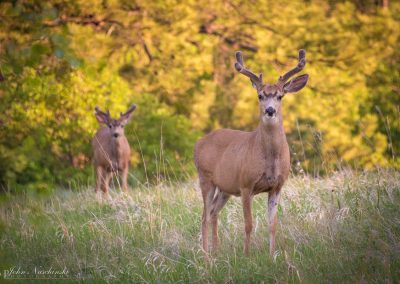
[{"x": 174, "y": 59}]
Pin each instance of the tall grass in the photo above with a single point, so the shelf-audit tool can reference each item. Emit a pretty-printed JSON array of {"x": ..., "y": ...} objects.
[{"x": 339, "y": 229}]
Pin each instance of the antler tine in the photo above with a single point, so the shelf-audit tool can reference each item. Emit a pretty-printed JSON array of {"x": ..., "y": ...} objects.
[
  {"x": 97, "y": 109},
  {"x": 297, "y": 69},
  {"x": 239, "y": 66},
  {"x": 132, "y": 108}
]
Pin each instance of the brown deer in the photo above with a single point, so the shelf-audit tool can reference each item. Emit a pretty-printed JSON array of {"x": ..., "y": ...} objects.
[
  {"x": 231, "y": 162},
  {"x": 111, "y": 149}
]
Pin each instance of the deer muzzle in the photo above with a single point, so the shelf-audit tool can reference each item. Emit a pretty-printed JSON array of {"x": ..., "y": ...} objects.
[{"x": 270, "y": 111}]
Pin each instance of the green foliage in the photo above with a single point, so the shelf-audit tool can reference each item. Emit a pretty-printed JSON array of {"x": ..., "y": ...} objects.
[
  {"x": 50, "y": 126},
  {"x": 385, "y": 83},
  {"x": 162, "y": 141},
  {"x": 175, "y": 60}
]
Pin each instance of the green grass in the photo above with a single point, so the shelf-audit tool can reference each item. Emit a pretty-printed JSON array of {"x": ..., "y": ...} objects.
[{"x": 341, "y": 229}]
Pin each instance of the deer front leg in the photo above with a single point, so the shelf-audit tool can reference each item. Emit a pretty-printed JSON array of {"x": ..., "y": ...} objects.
[
  {"x": 248, "y": 219},
  {"x": 106, "y": 183},
  {"x": 125, "y": 180},
  {"x": 99, "y": 179},
  {"x": 273, "y": 200}
]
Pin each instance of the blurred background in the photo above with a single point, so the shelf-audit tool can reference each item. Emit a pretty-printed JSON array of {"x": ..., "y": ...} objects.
[{"x": 174, "y": 59}]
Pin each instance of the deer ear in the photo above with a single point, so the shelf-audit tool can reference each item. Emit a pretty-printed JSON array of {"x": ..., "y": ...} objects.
[
  {"x": 296, "y": 84},
  {"x": 101, "y": 118}
]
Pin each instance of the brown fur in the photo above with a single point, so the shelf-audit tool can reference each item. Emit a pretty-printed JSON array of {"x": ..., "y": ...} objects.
[
  {"x": 239, "y": 163},
  {"x": 111, "y": 150}
]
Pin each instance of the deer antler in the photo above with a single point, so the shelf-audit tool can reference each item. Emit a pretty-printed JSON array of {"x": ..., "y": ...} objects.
[
  {"x": 129, "y": 111},
  {"x": 297, "y": 69},
  {"x": 239, "y": 66},
  {"x": 126, "y": 116},
  {"x": 97, "y": 109}
]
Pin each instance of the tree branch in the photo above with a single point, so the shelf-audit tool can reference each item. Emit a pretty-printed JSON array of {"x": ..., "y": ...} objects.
[
  {"x": 85, "y": 20},
  {"x": 212, "y": 29}
]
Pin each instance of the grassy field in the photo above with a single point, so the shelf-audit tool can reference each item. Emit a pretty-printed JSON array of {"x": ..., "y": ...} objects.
[{"x": 341, "y": 229}]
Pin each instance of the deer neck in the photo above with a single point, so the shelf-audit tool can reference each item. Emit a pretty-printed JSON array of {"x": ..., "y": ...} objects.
[
  {"x": 272, "y": 138},
  {"x": 272, "y": 141},
  {"x": 115, "y": 148}
]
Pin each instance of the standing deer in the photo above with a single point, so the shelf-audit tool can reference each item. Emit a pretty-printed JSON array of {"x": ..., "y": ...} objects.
[
  {"x": 111, "y": 149},
  {"x": 232, "y": 162}
]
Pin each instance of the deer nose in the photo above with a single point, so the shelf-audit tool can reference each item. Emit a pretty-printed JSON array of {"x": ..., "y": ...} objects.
[
  {"x": 270, "y": 111},
  {"x": 115, "y": 135}
]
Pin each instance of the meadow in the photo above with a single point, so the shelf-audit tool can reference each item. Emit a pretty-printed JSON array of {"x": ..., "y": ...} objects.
[{"x": 343, "y": 228}]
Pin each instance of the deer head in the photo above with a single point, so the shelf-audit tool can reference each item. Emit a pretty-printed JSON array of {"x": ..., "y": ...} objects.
[
  {"x": 270, "y": 95},
  {"x": 116, "y": 126}
]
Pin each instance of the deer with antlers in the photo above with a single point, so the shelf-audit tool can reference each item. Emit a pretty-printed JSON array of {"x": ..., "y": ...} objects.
[
  {"x": 231, "y": 162},
  {"x": 111, "y": 149}
]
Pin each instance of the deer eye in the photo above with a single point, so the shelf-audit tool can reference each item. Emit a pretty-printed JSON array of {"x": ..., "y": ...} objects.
[
  {"x": 279, "y": 98},
  {"x": 109, "y": 126},
  {"x": 260, "y": 97}
]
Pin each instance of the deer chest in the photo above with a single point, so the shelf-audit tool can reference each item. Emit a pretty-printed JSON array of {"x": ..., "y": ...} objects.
[
  {"x": 117, "y": 163},
  {"x": 268, "y": 182},
  {"x": 114, "y": 167}
]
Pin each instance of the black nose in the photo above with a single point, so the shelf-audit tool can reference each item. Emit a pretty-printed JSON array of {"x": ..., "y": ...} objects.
[
  {"x": 270, "y": 111},
  {"x": 115, "y": 135}
]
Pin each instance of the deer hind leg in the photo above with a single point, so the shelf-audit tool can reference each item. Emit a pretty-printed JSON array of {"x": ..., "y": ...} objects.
[
  {"x": 208, "y": 191},
  {"x": 273, "y": 200},
  {"x": 218, "y": 203},
  {"x": 248, "y": 219}
]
